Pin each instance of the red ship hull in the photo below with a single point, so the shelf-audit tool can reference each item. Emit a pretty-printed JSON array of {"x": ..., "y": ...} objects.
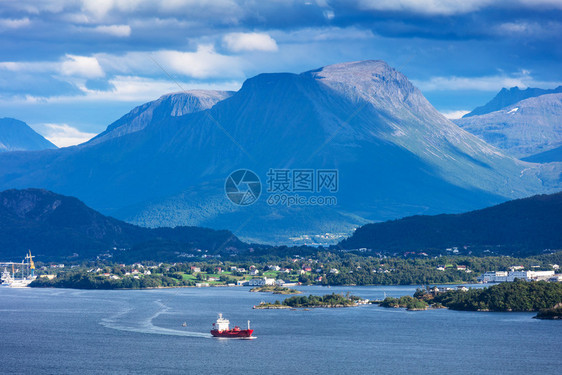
[{"x": 232, "y": 333}]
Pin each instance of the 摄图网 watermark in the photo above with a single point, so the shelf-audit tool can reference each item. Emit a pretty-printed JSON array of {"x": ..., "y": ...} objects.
[{"x": 286, "y": 187}]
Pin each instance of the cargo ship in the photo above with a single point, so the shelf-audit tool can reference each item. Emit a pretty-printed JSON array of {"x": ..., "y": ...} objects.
[{"x": 221, "y": 329}]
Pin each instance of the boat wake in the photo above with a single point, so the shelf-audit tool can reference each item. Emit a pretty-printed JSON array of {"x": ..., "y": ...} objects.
[{"x": 132, "y": 320}]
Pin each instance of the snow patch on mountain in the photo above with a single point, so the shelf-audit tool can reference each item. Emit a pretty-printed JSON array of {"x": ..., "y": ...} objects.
[{"x": 525, "y": 128}]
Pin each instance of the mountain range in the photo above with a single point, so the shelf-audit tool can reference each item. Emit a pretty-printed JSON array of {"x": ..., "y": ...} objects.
[
  {"x": 522, "y": 226},
  {"x": 54, "y": 226},
  {"x": 16, "y": 135},
  {"x": 522, "y": 129},
  {"x": 166, "y": 162},
  {"x": 507, "y": 97}
]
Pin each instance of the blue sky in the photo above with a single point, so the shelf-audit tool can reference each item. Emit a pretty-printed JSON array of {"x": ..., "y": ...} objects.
[{"x": 71, "y": 67}]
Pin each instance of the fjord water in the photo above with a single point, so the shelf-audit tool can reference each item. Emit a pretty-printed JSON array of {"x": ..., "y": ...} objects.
[{"x": 61, "y": 331}]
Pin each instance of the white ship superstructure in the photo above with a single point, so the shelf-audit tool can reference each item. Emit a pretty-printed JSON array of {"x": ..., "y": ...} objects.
[
  {"x": 222, "y": 324},
  {"x": 21, "y": 275}
]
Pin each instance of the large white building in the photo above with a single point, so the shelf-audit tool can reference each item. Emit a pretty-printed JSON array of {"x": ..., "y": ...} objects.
[
  {"x": 261, "y": 281},
  {"x": 502, "y": 276}
]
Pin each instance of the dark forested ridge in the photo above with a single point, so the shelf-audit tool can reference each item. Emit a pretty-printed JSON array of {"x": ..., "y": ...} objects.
[
  {"x": 515, "y": 296},
  {"x": 55, "y": 226},
  {"x": 524, "y": 226}
]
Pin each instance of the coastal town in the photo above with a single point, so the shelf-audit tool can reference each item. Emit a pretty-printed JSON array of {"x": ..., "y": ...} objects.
[{"x": 321, "y": 269}]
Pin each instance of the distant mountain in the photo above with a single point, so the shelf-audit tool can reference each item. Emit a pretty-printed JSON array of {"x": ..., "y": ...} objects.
[
  {"x": 54, "y": 226},
  {"x": 527, "y": 225},
  {"x": 170, "y": 105},
  {"x": 550, "y": 156},
  {"x": 507, "y": 97},
  {"x": 395, "y": 155},
  {"x": 16, "y": 135},
  {"x": 522, "y": 129}
]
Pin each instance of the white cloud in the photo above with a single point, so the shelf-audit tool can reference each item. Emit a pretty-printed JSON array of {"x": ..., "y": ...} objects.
[
  {"x": 203, "y": 63},
  {"x": 130, "y": 89},
  {"x": 321, "y": 34},
  {"x": 33, "y": 67},
  {"x": 486, "y": 83},
  {"x": 529, "y": 29},
  {"x": 37, "y": 6},
  {"x": 550, "y": 4},
  {"x": 132, "y": 76},
  {"x": 63, "y": 135},
  {"x": 229, "y": 11},
  {"x": 453, "y": 115},
  {"x": 329, "y": 14},
  {"x": 100, "y": 8},
  {"x": 82, "y": 66},
  {"x": 115, "y": 30},
  {"x": 238, "y": 42},
  {"x": 435, "y": 7},
  {"x": 9, "y": 23},
  {"x": 452, "y": 7},
  {"x": 516, "y": 27}
]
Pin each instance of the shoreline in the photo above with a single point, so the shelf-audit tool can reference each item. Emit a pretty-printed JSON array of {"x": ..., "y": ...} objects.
[
  {"x": 283, "y": 307},
  {"x": 243, "y": 286}
]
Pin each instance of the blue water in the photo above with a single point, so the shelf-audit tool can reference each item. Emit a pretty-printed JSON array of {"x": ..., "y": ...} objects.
[{"x": 54, "y": 331}]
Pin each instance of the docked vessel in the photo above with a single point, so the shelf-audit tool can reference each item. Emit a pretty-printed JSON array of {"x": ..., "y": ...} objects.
[
  {"x": 221, "y": 329},
  {"x": 26, "y": 271}
]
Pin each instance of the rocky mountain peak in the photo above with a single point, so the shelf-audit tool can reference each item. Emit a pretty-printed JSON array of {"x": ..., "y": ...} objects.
[
  {"x": 522, "y": 129},
  {"x": 370, "y": 80},
  {"x": 16, "y": 135},
  {"x": 173, "y": 104},
  {"x": 507, "y": 97}
]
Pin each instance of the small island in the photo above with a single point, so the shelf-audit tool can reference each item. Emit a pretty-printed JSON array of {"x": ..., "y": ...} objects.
[
  {"x": 327, "y": 301},
  {"x": 275, "y": 289},
  {"x": 408, "y": 302},
  {"x": 554, "y": 313}
]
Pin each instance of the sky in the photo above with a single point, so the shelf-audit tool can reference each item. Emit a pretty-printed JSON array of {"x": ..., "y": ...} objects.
[{"x": 69, "y": 68}]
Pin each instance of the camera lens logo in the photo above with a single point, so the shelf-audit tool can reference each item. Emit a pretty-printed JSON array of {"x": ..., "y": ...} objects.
[{"x": 243, "y": 187}]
